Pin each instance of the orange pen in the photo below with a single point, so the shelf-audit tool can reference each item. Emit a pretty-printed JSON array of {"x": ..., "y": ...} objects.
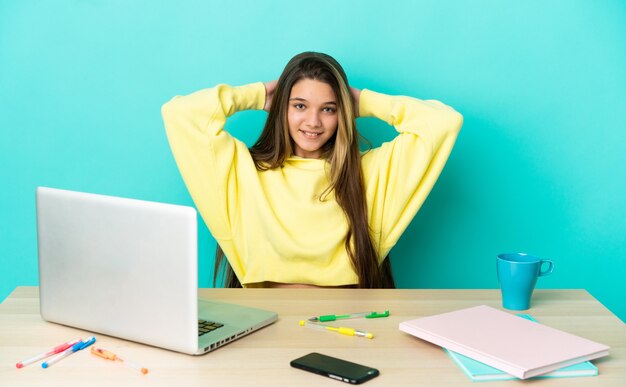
[{"x": 103, "y": 353}]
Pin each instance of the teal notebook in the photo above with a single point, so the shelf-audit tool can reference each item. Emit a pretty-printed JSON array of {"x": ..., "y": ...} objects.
[{"x": 478, "y": 371}]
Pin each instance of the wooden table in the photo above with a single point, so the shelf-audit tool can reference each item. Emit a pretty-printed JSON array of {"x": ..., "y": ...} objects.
[{"x": 263, "y": 357}]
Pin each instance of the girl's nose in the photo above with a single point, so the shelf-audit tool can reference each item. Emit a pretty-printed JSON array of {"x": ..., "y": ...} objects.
[{"x": 313, "y": 120}]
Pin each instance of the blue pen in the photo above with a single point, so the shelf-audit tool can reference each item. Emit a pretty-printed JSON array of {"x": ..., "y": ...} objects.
[{"x": 75, "y": 348}]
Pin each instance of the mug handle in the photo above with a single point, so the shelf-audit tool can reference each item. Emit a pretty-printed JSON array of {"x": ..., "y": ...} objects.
[{"x": 549, "y": 269}]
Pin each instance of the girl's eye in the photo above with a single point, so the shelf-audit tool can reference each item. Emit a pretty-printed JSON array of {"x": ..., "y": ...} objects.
[
  {"x": 299, "y": 106},
  {"x": 329, "y": 109}
]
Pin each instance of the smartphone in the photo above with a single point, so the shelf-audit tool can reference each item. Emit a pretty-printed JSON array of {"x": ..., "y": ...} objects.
[{"x": 334, "y": 368}]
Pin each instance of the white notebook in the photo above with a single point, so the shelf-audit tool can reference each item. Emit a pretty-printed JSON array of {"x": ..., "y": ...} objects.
[{"x": 504, "y": 341}]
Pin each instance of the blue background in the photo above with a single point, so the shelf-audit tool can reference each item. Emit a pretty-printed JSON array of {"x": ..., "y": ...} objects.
[{"x": 538, "y": 166}]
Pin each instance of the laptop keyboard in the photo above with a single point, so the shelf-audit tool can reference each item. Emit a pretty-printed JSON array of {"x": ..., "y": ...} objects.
[{"x": 205, "y": 327}]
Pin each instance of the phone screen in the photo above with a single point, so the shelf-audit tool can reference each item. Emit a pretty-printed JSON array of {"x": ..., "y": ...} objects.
[{"x": 335, "y": 368}]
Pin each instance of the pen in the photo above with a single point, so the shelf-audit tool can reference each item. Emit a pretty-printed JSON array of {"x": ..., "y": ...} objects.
[
  {"x": 333, "y": 317},
  {"x": 53, "y": 351},
  {"x": 342, "y": 330},
  {"x": 103, "y": 353},
  {"x": 74, "y": 348}
]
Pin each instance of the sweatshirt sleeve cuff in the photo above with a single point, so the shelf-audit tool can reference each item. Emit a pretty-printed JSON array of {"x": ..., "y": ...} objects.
[
  {"x": 373, "y": 104},
  {"x": 249, "y": 97}
]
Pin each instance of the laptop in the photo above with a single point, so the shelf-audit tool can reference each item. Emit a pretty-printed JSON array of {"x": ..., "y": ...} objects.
[{"x": 129, "y": 268}]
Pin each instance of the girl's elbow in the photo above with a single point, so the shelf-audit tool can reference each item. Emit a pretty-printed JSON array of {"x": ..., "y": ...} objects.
[
  {"x": 456, "y": 121},
  {"x": 170, "y": 108}
]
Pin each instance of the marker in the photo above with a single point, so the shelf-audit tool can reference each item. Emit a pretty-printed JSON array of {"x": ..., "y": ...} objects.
[
  {"x": 53, "y": 351},
  {"x": 333, "y": 317},
  {"x": 342, "y": 330},
  {"x": 75, "y": 348},
  {"x": 103, "y": 353}
]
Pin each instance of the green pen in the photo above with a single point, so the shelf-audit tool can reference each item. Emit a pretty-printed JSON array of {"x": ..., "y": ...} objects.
[{"x": 333, "y": 317}]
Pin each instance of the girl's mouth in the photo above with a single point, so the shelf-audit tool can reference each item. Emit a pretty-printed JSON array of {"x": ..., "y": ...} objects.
[{"x": 311, "y": 135}]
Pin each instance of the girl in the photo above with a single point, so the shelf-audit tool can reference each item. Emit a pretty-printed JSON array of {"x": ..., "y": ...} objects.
[{"x": 303, "y": 207}]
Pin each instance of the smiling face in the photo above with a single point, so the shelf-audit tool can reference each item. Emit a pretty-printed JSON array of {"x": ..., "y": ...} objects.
[{"x": 312, "y": 117}]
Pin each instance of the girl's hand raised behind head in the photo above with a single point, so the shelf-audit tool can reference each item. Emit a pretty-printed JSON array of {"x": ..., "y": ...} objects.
[{"x": 270, "y": 87}]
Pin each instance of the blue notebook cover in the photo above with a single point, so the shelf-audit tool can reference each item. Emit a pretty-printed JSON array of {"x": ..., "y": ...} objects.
[{"x": 478, "y": 371}]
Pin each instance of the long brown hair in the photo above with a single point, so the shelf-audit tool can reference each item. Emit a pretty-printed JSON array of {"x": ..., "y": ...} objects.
[{"x": 343, "y": 159}]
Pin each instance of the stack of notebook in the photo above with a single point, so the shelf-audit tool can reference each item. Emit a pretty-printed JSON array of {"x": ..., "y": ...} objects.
[
  {"x": 478, "y": 371},
  {"x": 516, "y": 347}
]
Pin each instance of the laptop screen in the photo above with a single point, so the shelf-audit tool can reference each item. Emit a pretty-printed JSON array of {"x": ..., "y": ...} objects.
[{"x": 122, "y": 267}]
